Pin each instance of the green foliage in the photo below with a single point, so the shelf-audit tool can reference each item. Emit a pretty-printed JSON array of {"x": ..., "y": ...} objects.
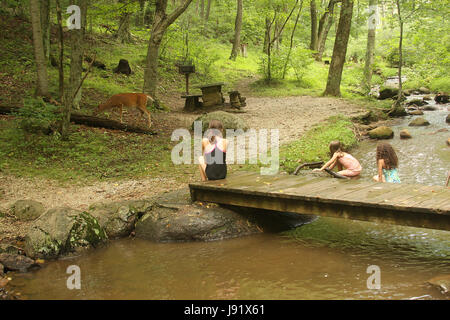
[
  {"x": 313, "y": 146},
  {"x": 36, "y": 116},
  {"x": 301, "y": 59}
]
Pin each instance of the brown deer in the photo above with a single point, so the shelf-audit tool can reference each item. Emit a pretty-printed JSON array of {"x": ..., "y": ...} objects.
[{"x": 128, "y": 100}]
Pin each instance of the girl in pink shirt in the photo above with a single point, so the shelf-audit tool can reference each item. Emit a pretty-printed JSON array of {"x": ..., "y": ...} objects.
[{"x": 348, "y": 166}]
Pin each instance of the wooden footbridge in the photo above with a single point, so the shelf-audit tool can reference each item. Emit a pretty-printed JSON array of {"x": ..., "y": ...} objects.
[{"x": 401, "y": 204}]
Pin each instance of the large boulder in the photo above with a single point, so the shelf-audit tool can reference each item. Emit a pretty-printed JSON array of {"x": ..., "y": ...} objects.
[
  {"x": 397, "y": 111},
  {"x": 382, "y": 132},
  {"x": 60, "y": 231},
  {"x": 418, "y": 122},
  {"x": 229, "y": 120},
  {"x": 387, "y": 93},
  {"x": 175, "y": 218},
  {"x": 118, "y": 218},
  {"x": 27, "y": 210}
]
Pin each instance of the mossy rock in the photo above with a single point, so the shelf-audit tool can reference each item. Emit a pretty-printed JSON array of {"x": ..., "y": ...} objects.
[
  {"x": 382, "y": 132},
  {"x": 387, "y": 93},
  {"x": 27, "y": 210},
  {"x": 118, "y": 218},
  {"x": 60, "y": 231},
  {"x": 229, "y": 121},
  {"x": 419, "y": 122}
]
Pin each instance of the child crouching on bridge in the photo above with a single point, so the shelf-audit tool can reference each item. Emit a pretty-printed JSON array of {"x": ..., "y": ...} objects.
[
  {"x": 348, "y": 166},
  {"x": 212, "y": 164}
]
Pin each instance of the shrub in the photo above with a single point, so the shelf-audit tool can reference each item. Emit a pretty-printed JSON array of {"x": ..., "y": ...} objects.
[{"x": 36, "y": 116}]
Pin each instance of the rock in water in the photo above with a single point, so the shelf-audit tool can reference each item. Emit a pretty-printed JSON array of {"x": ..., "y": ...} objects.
[
  {"x": 424, "y": 90},
  {"x": 16, "y": 262},
  {"x": 123, "y": 67},
  {"x": 229, "y": 121},
  {"x": 416, "y": 102},
  {"x": 442, "y": 98},
  {"x": 175, "y": 218},
  {"x": 27, "y": 210},
  {"x": 382, "y": 132},
  {"x": 404, "y": 134},
  {"x": 60, "y": 231},
  {"x": 118, "y": 218},
  {"x": 448, "y": 118},
  {"x": 430, "y": 108},
  {"x": 387, "y": 93},
  {"x": 418, "y": 122},
  {"x": 416, "y": 113}
]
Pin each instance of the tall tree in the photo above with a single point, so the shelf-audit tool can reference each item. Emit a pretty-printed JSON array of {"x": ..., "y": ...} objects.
[
  {"x": 292, "y": 39},
  {"x": 72, "y": 93},
  {"x": 237, "y": 31},
  {"x": 161, "y": 22},
  {"x": 208, "y": 10},
  {"x": 39, "y": 54},
  {"x": 123, "y": 33},
  {"x": 370, "y": 51},
  {"x": 340, "y": 49},
  {"x": 325, "y": 23},
  {"x": 313, "y": 12},
  {"x": 61, "y": 49},
  {"x": 45, "y": 23}
]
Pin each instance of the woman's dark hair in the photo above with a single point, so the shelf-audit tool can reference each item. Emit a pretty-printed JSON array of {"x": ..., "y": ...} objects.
[
  {"x": 335, "y": 146},
  {"x": 215, "y": 129},
  {"x": 387, "y": 153}
]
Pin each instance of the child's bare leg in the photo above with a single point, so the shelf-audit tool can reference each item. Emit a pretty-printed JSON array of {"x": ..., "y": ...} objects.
[
  {"x": 375, "y": 178},
  {"x": 202, "y": 168}
]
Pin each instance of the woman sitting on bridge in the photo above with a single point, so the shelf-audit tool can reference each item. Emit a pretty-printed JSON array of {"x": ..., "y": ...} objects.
[
  {"x": 387, "y": 163},
  {"x": 348, "y": 166},
  {"x": 212, "y": 164}
]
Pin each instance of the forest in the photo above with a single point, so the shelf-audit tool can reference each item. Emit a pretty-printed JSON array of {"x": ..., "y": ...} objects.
[{"x": 93, "y": 93}]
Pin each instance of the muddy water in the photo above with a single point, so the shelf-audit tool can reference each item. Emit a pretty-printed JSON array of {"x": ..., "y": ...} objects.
[{"x": 326, "y": 259}]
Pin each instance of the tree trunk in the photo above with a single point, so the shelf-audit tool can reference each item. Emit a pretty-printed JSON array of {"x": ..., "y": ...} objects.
[
  {"x": 370, "y": 51},
  {"x": 292, "y": 40},
  {"x": 45, "y": 23},
  {"x": 339, "y": 50},
  {"x": 39, "y": 55},
  {"x": 140, "y": 15},
  {"x": 72, "y": 98},
  {"x": 400, "y": 56},
  {"x": 237, "y": 31},
  {"x": 160, "y": 24},
  {"x": 61, "y": 50},
  {"x": 313, "y": 10},
  {"x": 208, "y": 10},
  {"x": 267, "y": 35},
  {"x": 202, "y": 9},
  {"x": 325, "y": 23},
  {"x": 123, "y": 33}
]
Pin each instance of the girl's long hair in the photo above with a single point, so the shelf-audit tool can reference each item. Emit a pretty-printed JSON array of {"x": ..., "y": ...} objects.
[
  {"x": 335, "y": 146},
  {"x": 387, "y": 153},
  {"x": 215, "y": 129}
]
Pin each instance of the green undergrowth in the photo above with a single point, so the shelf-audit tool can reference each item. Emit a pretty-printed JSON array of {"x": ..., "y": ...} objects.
[
  {"x": 313, "y": 145},
  {"x": 89, "y": 155}
]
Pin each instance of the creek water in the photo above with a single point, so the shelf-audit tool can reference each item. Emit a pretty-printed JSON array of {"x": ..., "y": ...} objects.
[{"x": 326, "y": 259}]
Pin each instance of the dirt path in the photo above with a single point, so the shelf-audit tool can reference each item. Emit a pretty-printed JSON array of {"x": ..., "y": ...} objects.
[{"x": 291, "y": 115}]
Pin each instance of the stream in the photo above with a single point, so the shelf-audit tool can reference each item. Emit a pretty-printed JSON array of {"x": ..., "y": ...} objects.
[{"x": 326, "y": 259}]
